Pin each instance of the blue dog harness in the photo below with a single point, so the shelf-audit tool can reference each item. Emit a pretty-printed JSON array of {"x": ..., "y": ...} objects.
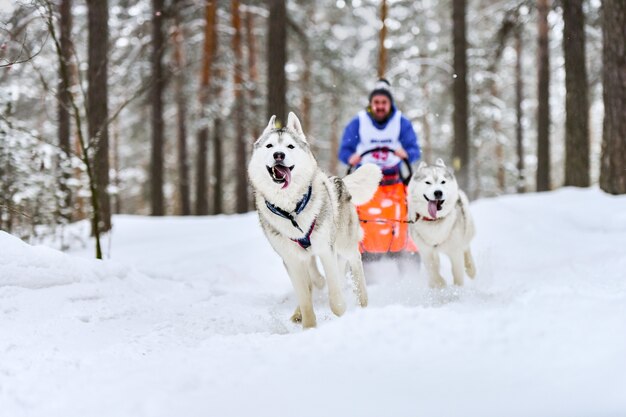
[{"x": 304, "y": 242}]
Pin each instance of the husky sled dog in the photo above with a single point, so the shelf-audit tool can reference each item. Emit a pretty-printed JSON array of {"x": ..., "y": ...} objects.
[
  {"x": 305, "y": 214},
  {"x": 441, "y": 222}
]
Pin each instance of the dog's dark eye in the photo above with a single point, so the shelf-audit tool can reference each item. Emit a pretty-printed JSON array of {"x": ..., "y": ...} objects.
[
  {"x": 290, "y": 146},
  {"x": 428, "y": 182},
  {"x": 443, "y": 182},
  {"x": 269, "y": 145}
]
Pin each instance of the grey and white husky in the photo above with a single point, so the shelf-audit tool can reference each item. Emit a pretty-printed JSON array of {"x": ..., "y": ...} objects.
[
  {"x": 442, "y": 222},
  {"x": 305, "y": 214}
]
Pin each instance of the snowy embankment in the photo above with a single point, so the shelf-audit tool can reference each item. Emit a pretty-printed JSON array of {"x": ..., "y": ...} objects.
[{"x": 190, "y": 317}]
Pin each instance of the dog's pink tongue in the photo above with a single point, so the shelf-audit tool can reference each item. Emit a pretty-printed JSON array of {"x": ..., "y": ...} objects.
[
  {"x": 432, "y": 208},
  {"x": 285, "y": 173}
]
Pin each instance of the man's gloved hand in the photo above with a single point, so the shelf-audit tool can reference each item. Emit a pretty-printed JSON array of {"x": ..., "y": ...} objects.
[
  {"x": 402, "y": 153},
  {"x": 355, "y": 159}
]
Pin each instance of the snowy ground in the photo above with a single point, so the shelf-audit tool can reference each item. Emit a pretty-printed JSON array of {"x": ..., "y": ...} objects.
[{"x": 190, "y": 317}]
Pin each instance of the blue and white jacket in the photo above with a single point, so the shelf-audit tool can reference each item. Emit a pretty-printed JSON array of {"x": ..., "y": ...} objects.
[{"x": 352, "y": 136}]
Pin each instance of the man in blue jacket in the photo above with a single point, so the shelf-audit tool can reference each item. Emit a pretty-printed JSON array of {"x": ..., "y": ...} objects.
[{"x": 381, "y": 125}]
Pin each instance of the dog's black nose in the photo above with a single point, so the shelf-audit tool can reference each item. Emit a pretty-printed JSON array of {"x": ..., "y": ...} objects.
[
  {"x": 279, "y": 156},
  {"x": 438, "y": 194}
]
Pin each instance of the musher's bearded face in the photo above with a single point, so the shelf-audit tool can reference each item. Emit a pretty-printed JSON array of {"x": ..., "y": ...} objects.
[{"x": 380, "y": 106}]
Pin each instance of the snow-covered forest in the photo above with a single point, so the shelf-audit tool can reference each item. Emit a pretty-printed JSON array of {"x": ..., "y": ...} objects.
[
  {"x": 125, "y": 131},
  {"x": 189, "y": 84}
]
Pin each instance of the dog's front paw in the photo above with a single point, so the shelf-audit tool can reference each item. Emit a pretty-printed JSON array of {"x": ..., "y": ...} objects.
[{"x": 307, "y": 322}]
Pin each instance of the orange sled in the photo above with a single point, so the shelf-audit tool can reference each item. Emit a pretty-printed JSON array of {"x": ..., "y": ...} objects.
[{"x": 384, "y": 217}]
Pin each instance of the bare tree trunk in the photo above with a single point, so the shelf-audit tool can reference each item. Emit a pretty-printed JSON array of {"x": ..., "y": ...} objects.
[
  {"x": 576, "y": 102},
  {"x": 253, "y": 72},
  {"x": 217, "y": 179},
  {"x": 80, "y": 212},
  {"x": 382, "y": 35},
  {"x": 208, "y": 54},
  {"x": 240, "y": 141},
  {"x": 519, "y": 131},
  {"x": 117, "y": 206},
  {"x": 218, "y": 170},
  {"x": 97, "y": 104},
  {"x": 543, "y": 97},
  {"x": 497, "y": 130},
  {"x": 202, "y": 186},
  {"x": 425, "y": 139},
  {"x": 84, "y": 146},
  {"x": 306, "y": 87},
  {"x": 156, "y": 166},
  {"x": 460, "y": 152},
  {"x": 253, "y": 81},
  {"x": 65, "y": 32},
  {"x": 181, "y": 106},
  {"x": 64, "y": 132},
  {"x": 613, "y": 159},
  {"x": 276, "y": 59},
  {"x": 8, "y": 186}
]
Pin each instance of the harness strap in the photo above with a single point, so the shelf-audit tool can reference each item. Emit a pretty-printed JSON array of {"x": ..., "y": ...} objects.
[
  {"x": 417, "y": 218},
  {"x": 282, "y": 213},
  {"x": 426, "y": 219},
  {"x": 305, "y": 200},
  {"x": 287, "y": 215},
  {"x": 305, "y": 242}
]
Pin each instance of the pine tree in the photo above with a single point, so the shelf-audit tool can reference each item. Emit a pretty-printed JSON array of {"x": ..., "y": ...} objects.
[
  {"x": 577, "y": 102},
  {"x": 612, "y": 172}
]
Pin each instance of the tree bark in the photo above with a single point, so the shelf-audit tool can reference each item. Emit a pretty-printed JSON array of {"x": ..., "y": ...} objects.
[
  {"x": 576, "y": 101},
  {"x": 543, "y": 97},
  {"x": 242, "y": 203},
  {"x": 276, "y": 59},
  {"x": 217, "y": 178},
  {"x": 613, "y": 159},
  {"x": 499, "y": 146},
  {"x": 519, "y": 97},
  {"x": 63, "y": 97},
  {"x": 307, "y": 107},
  {"x": 202, "y": 186},
  {"x": 460, "y": 159},
  {"x": 97, "y": 104},
  {"x": 208, "y": 54},
  {"x": 382, "y": 35},
  {"x": 156, "y": 166},
  {"x": 253, "y": 72},
  {"x": 218, "y": 170},
  {"x": 117, "y": 204},
  {"x": 425, "y": 139},
  {"x": 184, "y": 196}
]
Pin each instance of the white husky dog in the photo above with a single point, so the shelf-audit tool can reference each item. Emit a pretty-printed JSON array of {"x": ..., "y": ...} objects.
[
  {"x": 305, "y": 214},
  {"x": 442, "y": 222}
]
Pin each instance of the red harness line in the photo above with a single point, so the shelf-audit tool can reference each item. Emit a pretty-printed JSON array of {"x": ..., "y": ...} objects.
[{"x": 417, "y": 218}]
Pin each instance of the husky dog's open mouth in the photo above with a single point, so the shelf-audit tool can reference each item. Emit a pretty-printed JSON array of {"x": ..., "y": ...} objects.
[
  {"x": 281, "y": 174},
  {"x": 434, "y": 206}
]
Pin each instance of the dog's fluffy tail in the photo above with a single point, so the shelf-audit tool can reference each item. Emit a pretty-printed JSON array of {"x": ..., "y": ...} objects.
[{"x": 363, "y": 182}]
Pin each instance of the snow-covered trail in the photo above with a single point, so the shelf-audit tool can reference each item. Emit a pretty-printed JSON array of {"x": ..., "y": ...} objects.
[{"x": 190, "y": 316}]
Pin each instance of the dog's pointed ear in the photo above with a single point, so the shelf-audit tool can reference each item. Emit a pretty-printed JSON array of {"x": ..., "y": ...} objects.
[
  {"x": 440, "y": 163},
  {"x": 294, "y": 124},
  {"x": 271, "y": 125},
  {"x": 422, "y": 165}
]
